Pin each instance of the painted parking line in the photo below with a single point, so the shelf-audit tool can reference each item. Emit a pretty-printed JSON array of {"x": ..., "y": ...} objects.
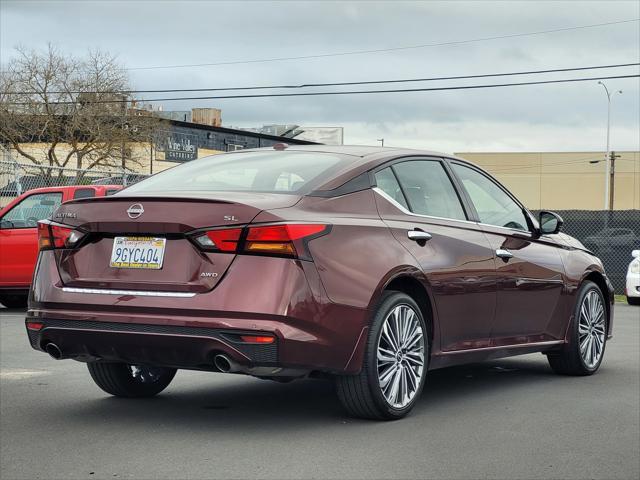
[{"x": 21, "y": 373}]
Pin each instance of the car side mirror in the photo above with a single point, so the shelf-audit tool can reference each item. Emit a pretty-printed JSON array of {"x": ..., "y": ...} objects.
[
  {"x": 635, "y": 253},
  {"x": 4, "y": 224},
  {"x": 550, "y": 223}
]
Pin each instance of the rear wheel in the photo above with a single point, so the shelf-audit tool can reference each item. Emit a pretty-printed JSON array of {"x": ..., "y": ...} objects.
[
  {"x": 124, "y": 380},
  {"x": 583, "y": 353},
  {"x": 14, "y": 300},
  {"x": 395, "y": 363}
]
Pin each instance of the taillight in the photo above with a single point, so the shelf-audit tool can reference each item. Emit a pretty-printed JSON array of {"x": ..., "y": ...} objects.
[
  {"x": 223, "y": 240},
  {"x": 287, "y": 239},
  {"x": 51, "y": 235},
  {"x": 284, "y": 239}
]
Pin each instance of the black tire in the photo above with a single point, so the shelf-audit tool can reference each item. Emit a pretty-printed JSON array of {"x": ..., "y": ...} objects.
[
  {"x": 118, "y": 379},
  {"x": 633, "y": 300},
  {"x": 14, "y": 300},
  {"x": 569, "y": 360},
  {"x": 361, "y": 394}
]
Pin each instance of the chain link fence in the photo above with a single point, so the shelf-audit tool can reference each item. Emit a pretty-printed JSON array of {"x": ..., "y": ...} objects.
[
  {"x": 610, "y": 235},
  {"x": 17, "y": 178}
]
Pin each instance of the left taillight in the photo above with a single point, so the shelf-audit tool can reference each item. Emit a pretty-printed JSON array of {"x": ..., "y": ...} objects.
[{"x": 52, "y": 235}]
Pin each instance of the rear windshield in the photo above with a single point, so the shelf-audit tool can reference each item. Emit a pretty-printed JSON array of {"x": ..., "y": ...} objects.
[{"x": 264, "y": 171}]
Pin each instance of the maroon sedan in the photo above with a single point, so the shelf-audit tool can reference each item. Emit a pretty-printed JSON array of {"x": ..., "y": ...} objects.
[{"x": 369, "y": 265}]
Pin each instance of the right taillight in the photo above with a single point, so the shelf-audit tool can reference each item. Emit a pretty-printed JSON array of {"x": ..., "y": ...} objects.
[
  {"x": 286, "y": 239},
  {"x": 51, "y": 235}
]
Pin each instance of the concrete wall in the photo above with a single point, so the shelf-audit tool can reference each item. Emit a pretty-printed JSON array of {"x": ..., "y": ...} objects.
[{"x": 563, "y": 180}]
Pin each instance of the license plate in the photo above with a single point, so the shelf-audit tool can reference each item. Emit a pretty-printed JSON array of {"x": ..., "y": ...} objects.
[{"x": 138, "y": 252}]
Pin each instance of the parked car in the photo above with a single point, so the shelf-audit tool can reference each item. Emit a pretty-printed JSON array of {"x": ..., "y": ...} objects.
[
  {"x": 611, "y": 238},
  {"x": 19, "y": 235},
  {"x": 365, "y": 264},
  {"x": 632, "y": 289}
]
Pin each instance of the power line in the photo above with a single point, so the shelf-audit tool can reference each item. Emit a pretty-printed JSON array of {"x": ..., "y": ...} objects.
[
  {"x": 349, "y": 92},
  {"x": 382, "y": 50},
  {"x": 337, "y": 84}
]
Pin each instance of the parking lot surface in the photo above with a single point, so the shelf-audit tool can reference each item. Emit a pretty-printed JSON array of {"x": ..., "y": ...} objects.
[{"x": 510, "y": 418}]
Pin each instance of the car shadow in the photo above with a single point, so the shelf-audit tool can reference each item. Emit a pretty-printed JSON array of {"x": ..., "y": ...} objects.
[{"x": 253, "y": 404}]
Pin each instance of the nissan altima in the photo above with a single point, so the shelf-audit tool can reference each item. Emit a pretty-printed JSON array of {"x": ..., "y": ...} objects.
[{"x": 370, "y": 266}]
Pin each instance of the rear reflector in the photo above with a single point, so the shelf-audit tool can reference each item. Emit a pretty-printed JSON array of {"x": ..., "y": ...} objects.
[
  {"x": 35, "y": 325},
  {"x": 257, "y": 339},
  {"x": 51, "y": 235}
]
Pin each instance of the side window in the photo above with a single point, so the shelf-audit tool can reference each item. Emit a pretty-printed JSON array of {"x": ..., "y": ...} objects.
[
  {"x": 387, "y": 182},
  {"x": 493, "y": 205},
  {"x": 33, "y": 208},
  {"x": 84, "y": 193},
  {"x": 429, "y": 189}
]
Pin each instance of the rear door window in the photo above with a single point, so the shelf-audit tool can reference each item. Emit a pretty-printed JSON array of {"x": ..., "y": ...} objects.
[
  {"x": 428, "y": 189},
  {"x": 31, "y": 210}
]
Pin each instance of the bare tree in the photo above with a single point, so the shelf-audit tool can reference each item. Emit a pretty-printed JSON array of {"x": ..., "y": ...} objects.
[{"x": 74, "y": 109}]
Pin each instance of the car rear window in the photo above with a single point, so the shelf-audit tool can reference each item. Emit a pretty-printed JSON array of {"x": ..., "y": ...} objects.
[
  {"x": 261, "y": 171},
  {"x": 84, "y": 193}
]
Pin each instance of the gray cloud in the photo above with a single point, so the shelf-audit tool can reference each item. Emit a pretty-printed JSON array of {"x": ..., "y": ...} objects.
[{"x": 552, "y": 117}]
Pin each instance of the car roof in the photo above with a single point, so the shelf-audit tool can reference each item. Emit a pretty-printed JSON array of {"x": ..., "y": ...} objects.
[
  {"x": 360, "y": 158},
  {"x": 68, "y": 188}
]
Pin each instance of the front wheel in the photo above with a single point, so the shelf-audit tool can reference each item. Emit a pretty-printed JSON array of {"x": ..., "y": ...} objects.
[
  {"x": 14, "y": 300},
  {"x": 395, "y": 364},
  {"x": 124, "y": 380},
  {"x": 633, "y": 300},
  {"x": 587, "y": 336}
]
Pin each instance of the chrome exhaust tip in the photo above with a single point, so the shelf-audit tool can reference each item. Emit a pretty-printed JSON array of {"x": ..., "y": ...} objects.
[
  {"x": 222, "y": 363},
  {"x": 53, "y": 350}
]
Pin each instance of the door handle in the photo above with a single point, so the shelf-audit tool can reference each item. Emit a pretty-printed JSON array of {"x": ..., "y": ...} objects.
[
  {"x": 504, "y": 254},
  {"x": 418, "y": 235}
]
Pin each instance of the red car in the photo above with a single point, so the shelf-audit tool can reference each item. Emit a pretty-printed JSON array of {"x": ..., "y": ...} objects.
[
  {"x": 19, "y": 235},
  {"x": 368, "y": 265}
]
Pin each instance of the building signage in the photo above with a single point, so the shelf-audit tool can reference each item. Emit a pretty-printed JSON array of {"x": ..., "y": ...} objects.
[{"x": 179, "y": 148}]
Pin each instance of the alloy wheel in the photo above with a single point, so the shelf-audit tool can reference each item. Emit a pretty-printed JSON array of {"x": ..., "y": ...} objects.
[
  {"x": 591, "y": 329},
  {"x": 401, "y": 356}
]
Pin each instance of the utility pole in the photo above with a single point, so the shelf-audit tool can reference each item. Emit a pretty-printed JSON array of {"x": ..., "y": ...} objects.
[
  {"x": 607, "y": 181},
  {"x": 612, "y": 174}
]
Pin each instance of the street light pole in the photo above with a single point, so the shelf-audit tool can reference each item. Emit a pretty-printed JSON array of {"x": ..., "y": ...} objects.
[{"x": 608, "y": 153}]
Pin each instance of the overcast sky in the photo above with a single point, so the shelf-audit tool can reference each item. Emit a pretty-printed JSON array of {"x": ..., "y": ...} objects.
[{"x": 558, "y": 117}]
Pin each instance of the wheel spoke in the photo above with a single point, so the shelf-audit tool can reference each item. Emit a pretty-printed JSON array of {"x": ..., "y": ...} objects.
[{"x": 385, "y": 356}]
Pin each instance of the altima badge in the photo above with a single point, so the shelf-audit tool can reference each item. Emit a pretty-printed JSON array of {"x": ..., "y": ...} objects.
[{"x": 135, "y": 210}]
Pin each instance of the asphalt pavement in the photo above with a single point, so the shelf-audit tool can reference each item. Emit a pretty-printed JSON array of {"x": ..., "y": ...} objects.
[{"x": 510, "y": 418}]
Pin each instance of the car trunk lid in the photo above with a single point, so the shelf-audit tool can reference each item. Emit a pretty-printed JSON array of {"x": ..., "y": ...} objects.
[{"x": 172, "y": 219}]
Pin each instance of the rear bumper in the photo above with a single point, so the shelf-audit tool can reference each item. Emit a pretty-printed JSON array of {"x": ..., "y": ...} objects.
[
  {"x": 285, "y": 299},
  {"x": 633, "y": 285}
]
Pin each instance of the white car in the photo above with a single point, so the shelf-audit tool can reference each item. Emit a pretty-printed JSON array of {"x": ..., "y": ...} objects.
[{"x": 633, "y": 279}]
